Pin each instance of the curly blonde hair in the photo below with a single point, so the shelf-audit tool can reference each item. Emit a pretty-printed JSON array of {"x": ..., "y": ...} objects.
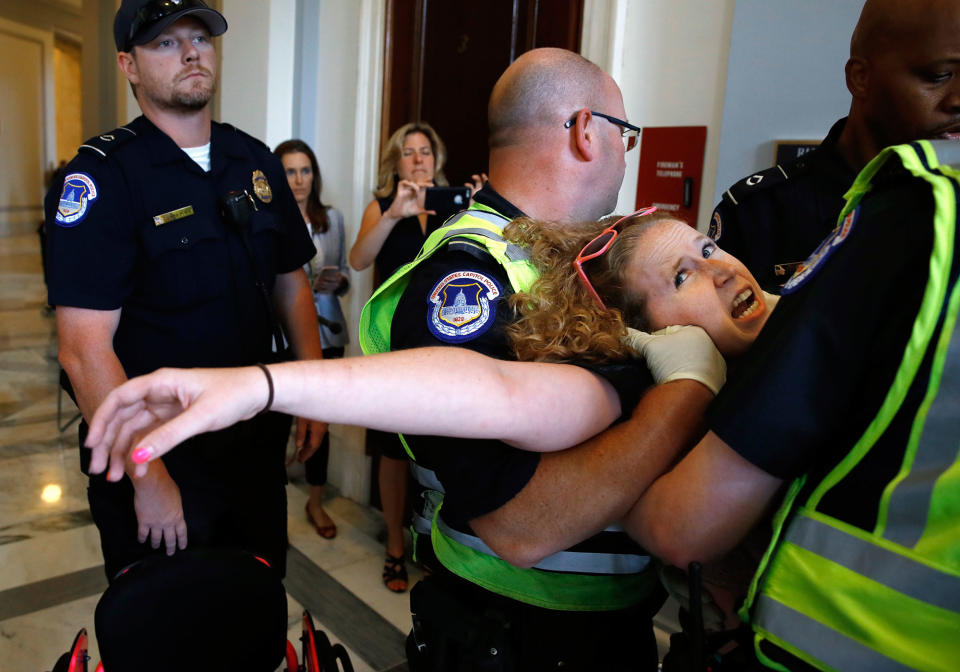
[{"x": 558, "y": 320}]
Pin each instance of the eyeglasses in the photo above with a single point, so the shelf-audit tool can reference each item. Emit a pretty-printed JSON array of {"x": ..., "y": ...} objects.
[
  {"x": 629, "y": 132},
  {"x": 600, "y": 244}
]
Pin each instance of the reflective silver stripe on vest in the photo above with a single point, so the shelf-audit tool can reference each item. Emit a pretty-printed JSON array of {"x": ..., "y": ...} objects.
[
  {"x": 432, "y": 494},
  {"x": 936, "y": 452},
  {"x": 494, "y": 218},
  {"x": 419, "y": 524},
  {"x": 948, "y": 152},
  {"x": 823, "y": 643},
  {"x": 513, "y": 252},
  {"x": 426, "y": 477},
  {"x": 893, "y": 570},
  {"x": 564, "y": 561}
]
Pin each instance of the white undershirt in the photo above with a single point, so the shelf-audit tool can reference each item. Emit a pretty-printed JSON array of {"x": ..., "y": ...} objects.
[{"x": 201, "y": 155}]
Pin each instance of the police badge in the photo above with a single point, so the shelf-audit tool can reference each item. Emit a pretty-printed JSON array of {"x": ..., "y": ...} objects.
[
  {"x": 261, "y": 187},
  {"x": 464, "y": 305}
]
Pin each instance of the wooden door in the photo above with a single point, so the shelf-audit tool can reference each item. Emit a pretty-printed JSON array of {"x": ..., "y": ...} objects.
[{"x": 443, "y": 58}]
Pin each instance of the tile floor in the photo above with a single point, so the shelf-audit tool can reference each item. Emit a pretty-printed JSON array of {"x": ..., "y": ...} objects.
[{"x": 51, "y": 572}]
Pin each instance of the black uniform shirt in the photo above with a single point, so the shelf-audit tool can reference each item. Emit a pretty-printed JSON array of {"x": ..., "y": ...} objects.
[
  {"x": 479, "y": 475},
  {"x": 184, "y": 281},
  {"x": 776, "y": 218},
  {"x": 820, "y": 369}
]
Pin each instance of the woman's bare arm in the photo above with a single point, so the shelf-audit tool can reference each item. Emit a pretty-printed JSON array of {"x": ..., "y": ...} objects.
[{"x": 532, "y": 406}]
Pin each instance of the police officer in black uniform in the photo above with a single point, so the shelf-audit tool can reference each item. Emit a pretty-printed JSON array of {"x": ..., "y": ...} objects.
[
  {"x": 813, "y": 390},
  {"x": 529, "y": 577},
  {"x": 772, "y": 220},
  {"x": 175, "y": 241}
]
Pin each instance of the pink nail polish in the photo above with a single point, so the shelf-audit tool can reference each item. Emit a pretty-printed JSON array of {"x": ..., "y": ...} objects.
[{"x": 141, "y": 455}]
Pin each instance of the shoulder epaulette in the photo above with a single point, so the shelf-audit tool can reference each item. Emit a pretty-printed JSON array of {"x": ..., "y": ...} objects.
[
  {"x": 245, "y": 135},
  {"x": 102, "y": 145},
  {"x": 763, "y": 180}
]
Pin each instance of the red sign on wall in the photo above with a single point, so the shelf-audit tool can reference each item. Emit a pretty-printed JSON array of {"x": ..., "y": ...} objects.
[{"x": 671, "y": 166}]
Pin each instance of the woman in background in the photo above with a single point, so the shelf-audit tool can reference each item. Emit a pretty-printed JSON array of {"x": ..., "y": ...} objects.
[{"x": 329, "y": 279}]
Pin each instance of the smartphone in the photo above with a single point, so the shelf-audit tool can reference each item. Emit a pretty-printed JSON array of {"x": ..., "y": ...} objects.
[
  {"x": 446, "y": 201},
  {"x": 325, "y": 275}
]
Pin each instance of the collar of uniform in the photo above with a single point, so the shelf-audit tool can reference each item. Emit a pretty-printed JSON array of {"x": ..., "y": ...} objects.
[
  {"x": 830, "y": 157},
  {"x": 226, "y": 144},
  {"x": 160, "y": 147},
  {"x": 488, "y": 196}
]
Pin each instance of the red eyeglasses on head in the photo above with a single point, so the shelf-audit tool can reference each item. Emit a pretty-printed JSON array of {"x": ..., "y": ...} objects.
[{"x": 600, "y": 244}]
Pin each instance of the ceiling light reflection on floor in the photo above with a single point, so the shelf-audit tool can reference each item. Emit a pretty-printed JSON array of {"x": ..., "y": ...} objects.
[{"x": 51, "y": 493}]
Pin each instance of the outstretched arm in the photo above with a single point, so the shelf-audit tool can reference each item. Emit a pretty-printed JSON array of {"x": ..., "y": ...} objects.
[{"x": 533, "y": 406}]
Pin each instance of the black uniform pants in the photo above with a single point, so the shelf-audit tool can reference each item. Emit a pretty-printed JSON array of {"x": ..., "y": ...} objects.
[
  {"x": 461, "y": 627},
  {"x": 233, "y": 490}
]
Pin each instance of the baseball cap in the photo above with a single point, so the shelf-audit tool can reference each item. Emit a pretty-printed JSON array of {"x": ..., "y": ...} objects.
[{"x": 139, "y": 21}]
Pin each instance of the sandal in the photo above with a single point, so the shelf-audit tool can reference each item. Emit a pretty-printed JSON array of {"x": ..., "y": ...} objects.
[
  {"x": 325, "y": 531},
  {"x": 394, "y": 570}
]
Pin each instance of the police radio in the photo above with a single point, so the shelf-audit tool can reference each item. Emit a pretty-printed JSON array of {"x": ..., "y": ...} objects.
[{"x": 236, "y": 208}]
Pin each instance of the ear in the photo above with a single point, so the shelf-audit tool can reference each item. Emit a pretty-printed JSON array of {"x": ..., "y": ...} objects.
[
  {"x": 584, "y": 136},
  {"x": 128, "y": 66},
  {"x": 857, "y": 72}
]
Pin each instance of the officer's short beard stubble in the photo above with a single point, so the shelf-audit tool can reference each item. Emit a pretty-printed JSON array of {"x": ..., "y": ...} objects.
[{"x": 195, "y": 98}]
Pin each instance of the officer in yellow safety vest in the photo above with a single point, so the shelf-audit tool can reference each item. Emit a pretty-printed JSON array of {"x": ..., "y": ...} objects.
[
  {"x": 530, "y": 573},
  {"x": 852, "y": 394}
]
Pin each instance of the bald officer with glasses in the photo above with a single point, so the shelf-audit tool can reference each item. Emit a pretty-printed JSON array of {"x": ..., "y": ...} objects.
[
  {"x": 528, "y": 572},
  {"x": 175, "y": 241}
]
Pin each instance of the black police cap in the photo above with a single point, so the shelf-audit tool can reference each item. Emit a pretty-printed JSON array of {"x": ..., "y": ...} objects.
[{"x": 139, "y": 21}]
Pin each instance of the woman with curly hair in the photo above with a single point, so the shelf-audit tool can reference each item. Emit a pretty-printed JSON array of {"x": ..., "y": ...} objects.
[
  {"x": 659, "y": 272},
  {"x": 599, "y": 284}
]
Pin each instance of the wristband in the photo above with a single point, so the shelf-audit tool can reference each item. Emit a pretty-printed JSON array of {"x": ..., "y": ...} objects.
[{"x": 266, "y": 372}]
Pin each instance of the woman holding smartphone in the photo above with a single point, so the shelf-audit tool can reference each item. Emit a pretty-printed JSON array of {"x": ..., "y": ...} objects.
[
  {"x": 394, "y": 227},
  {"x": 329, "y": 277}
]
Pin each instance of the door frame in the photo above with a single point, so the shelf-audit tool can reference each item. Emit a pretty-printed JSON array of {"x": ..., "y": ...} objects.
[{"x": 45, "y": 39}]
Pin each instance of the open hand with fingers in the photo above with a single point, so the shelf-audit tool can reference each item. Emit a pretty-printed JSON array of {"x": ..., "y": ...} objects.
[
  {"x": 159, "y": 510},
  {"x": 166, "y": 408},
  {"x": 409, "y": 201}
]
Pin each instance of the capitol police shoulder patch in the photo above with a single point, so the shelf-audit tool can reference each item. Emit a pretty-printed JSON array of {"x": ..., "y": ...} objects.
[
  {"x": 715, "y": 230},
  {"x": 79, "y": 192},
  {"x": 815, "y": 261},
  {"x": 463, "y": 306}
]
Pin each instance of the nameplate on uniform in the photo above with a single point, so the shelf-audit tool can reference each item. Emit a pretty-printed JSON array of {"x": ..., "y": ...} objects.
[{"x": 173, "y": 215}]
